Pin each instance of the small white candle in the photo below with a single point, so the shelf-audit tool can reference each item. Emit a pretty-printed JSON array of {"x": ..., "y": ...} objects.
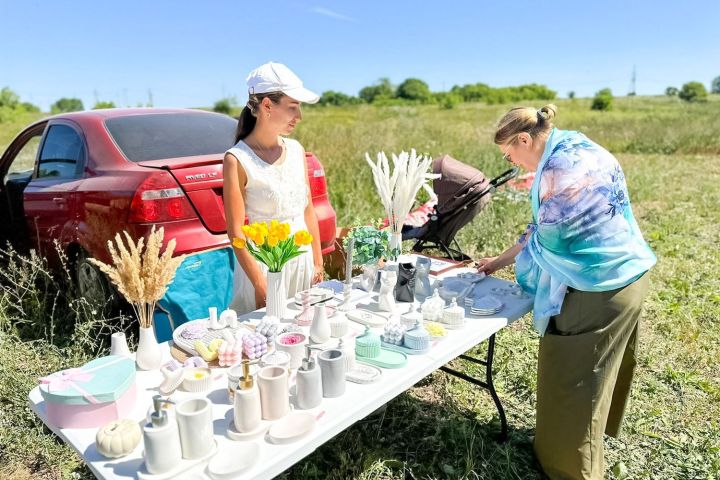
[{"x": 348, "y": 261}]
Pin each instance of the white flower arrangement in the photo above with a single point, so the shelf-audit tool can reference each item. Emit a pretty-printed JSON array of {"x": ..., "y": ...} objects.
[{"x": 398, "y": 189}]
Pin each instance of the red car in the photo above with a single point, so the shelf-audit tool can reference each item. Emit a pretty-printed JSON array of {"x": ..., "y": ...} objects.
[{"x": 79, "y": 178}]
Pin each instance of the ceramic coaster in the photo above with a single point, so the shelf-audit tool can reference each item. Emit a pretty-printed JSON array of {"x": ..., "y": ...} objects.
[
  {"x": 363, "y": 374},
  {"x": 233, "y": 434}
]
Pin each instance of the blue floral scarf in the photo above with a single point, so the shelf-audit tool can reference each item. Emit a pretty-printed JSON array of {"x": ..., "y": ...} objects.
[{"x": 583, "y": 234}]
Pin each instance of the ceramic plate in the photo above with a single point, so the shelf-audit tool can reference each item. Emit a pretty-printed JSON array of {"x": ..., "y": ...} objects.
[{"x": 292, "y": 427}]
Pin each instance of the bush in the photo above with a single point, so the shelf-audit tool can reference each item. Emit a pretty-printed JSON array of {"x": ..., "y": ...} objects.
[
  {"x": 602, "y": 100},
  {"x": 571, "y": 95},
  {"x": 337, "y": 98},
  {"x": 414, "y": 89},
  {"x": 693, "y": 92},
  {"x": 65, "y": 105},
  {"x": 223, "y": 106},
  {"x": 99, "y": 105},
  {"x": 671, "y": 91},
  {"x": 715, "y": 86},
  {"x": 8, "y": 98}
]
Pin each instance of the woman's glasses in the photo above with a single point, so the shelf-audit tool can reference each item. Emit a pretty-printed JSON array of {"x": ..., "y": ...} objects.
[{"x": 506, "y": 154}]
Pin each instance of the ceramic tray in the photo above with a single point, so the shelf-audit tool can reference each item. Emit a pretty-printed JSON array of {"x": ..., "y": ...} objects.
[
  {"x": 182, "y": 466},
  {"x": 366, "y": 317},
  {"x": 291, "y": 427},
  {"x": 386, "y": 359},
  {"x": 363, "y": 374},
  {"x": 188, "y": 345},
  {"x": 404, "y": 349}
]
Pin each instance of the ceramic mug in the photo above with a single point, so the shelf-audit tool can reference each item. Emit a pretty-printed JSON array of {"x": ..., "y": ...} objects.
[
  {"x": 195, "y": 424},
  {"x": 332, "y": 369},
  {"x": 294, "y": 344},
  {"x": 274, "y": 392}
]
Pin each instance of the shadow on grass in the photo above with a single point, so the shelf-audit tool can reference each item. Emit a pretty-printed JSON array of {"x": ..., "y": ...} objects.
[{"x": 412, "y": 437}]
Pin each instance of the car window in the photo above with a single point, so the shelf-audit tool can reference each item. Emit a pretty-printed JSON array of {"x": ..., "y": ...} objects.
[
  {"x": 171, "y": 135},
  {"x": 25, "y": 158},
  {"x": 61, "y": 153}
]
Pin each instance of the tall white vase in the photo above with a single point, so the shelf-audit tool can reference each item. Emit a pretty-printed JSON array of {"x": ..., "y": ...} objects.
[
  {"x": 277, "y": 297},
  {"x": 395, "y": 245},
  {"x": 148, "y": 355}
]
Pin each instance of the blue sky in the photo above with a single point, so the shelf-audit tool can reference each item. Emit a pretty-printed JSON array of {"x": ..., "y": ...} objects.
[{"x": 190, "y": 53}]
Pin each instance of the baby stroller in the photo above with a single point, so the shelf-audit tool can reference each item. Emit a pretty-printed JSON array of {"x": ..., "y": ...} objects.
[{"x": 462, "y": 191}]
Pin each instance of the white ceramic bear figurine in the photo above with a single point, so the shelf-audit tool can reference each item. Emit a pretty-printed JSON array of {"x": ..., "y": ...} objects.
[{"x": 386, "y": 298}]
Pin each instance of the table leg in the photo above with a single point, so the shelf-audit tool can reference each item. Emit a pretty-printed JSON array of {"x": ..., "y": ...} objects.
[{"x": 487, "y": 384}]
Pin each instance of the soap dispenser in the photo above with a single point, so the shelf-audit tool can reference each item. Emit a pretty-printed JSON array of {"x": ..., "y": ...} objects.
[
  {"x": 161, "y": 439},
  {"x": 247, "y": 412},
  {"x": 308, "y": 382}
]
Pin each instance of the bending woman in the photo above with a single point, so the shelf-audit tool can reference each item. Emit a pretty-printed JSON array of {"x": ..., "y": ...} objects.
[
  {"x": 265, "y": 178},
  {"x": 584, "y": 258}
]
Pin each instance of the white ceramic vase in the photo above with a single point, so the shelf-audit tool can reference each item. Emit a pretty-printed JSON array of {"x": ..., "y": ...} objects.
[
  {"x": 395, "y": 245},
  {"x": 277, "y": 297},
  {"x": 148, "y": 355},
  {"x": 320, "y": 328}
]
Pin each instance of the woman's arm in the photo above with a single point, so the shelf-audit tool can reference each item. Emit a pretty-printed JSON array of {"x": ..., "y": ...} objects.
[
  {"x": 312, "y": 223},
  {"x": 234, "y": 180},
  {"x": 490, "y": 265}
]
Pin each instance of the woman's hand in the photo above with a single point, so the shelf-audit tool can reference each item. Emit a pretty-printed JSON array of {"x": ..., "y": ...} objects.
[
  {"x": 260, "y": 292},
  {"x": 318, "y": 274},
  {"x": 488, "y": 265}
]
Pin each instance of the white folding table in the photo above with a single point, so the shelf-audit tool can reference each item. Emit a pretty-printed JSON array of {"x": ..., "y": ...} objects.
[{"x": 358, "y": 401}]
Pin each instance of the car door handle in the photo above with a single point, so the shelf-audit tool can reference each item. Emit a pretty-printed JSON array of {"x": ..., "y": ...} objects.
[{"x": 59, "y": 200}]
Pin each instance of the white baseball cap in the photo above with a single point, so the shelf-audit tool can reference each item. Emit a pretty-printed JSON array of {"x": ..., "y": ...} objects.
[{"x": 276, "y": 77}]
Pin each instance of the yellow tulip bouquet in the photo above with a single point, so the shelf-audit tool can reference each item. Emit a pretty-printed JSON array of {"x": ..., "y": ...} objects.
[{"x": 272, "y": 244}]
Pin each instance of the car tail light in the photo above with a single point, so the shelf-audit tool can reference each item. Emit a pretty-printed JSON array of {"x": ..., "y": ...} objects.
[{"x": 159, "y": 198}]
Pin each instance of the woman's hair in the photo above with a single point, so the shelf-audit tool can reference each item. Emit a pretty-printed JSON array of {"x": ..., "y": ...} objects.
[
  {"x": 248, "y": 116},
  {"x": 525, "y": 119}
]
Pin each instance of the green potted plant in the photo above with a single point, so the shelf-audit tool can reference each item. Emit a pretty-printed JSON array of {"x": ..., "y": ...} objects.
[{"x": 370, "y": 246}]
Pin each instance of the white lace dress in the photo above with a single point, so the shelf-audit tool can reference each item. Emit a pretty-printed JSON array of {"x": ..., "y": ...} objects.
[{"x": 274, "y": 192}]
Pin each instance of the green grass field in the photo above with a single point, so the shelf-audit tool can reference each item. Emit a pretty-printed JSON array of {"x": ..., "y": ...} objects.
[{"x": 443, "y": 428}]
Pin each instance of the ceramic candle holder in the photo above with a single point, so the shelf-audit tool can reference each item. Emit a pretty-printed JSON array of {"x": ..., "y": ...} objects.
[
  {"x": 338, "y": 326},
  {"x": 197, "y": 379},
  {"x": 294, "y": 344},
  {"x": 332, "y": 369},
  {"x": 274, "y": 392},
  {"x": 195, "y": 423},
  {"x": 118, "y": 345}
]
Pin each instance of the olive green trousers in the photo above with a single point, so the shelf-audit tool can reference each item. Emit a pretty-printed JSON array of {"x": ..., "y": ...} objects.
[{"x": 586, "y": 365}]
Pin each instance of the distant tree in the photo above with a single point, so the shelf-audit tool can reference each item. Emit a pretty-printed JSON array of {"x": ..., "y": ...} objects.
[
  {"x": 602, "y": 100},
  {"x": 448, "y": 100},
  {"x": 382, "y": 89},
  {"x": 65, "y": 105},
  {"x": 8, "y": 98},
  {"x": 414, "y": 89},
  {"x": 671, "y": 91},
  {"x": 715, "y": 86},
  {"x": 29, "y": 107},
  {"x": 571, "y": 95},
  {"x": 693, "y": 92},
  {"x": 100, "y": 104},
  {"x": 225, "y": 105},
  {"x": 337, "y": 98}
]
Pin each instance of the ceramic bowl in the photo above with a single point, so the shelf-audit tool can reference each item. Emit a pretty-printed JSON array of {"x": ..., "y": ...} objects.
[
  {"x": 197, "y": 379},
  {"x": 232, "y": 459},
  {"x": 292, "y": 427}
]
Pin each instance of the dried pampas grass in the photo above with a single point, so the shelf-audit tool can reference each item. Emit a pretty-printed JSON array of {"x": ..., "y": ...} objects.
[{"x": 142, "y": 278}]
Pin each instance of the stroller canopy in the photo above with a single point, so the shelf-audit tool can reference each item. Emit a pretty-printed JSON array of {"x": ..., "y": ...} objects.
[{"x": 458, "y": 185}]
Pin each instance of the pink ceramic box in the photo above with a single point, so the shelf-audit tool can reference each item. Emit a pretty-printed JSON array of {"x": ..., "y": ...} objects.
[{"x": 92, "y": 395}]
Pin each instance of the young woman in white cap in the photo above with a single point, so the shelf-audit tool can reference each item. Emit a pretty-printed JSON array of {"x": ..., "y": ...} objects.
[{"x": 265, "y": 178}]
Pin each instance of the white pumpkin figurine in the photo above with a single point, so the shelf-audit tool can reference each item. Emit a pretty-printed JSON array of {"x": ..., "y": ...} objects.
[{"x": 118, "y": 438}]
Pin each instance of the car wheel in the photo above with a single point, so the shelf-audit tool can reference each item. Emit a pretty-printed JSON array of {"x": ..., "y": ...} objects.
[{"x": 92, "y": 284}]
